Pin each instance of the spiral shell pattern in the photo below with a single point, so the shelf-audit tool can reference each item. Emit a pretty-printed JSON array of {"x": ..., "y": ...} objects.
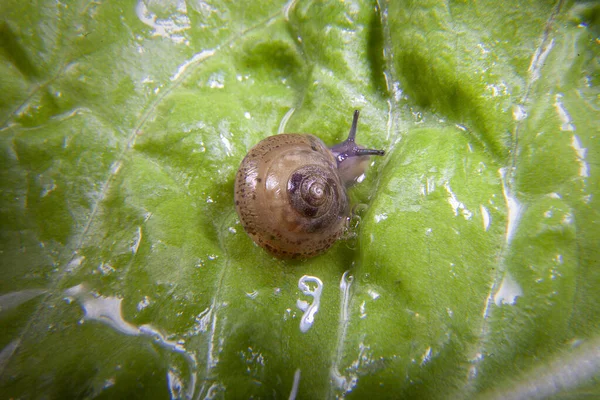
[{"x": 289, "y": 196}]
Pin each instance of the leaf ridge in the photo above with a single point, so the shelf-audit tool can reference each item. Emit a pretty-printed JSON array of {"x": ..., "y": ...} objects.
[{"x": 508, "y": 182}]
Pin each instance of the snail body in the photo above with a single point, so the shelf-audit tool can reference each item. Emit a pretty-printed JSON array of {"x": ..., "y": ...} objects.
[{"x": 290, "y": 192}]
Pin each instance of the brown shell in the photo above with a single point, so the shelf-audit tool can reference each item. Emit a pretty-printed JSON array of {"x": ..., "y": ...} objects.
[{"x": 289, "y": 196}]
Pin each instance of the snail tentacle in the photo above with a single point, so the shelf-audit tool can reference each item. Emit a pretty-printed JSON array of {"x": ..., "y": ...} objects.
[{"x": 348, "y": 148}]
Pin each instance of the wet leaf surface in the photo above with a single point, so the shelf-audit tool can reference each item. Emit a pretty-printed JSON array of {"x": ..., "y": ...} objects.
[{"x": 472, "y": 269}]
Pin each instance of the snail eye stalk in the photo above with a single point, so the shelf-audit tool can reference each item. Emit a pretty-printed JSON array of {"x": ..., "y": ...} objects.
[{"x": 348, "y": 148}]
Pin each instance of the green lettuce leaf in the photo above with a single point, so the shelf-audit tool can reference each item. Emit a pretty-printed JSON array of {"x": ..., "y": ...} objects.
[{"x": 472, "y": 268}]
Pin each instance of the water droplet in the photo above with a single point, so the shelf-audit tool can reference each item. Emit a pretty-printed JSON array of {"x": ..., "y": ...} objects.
[
  {"x": 563, "y": 114},
  {"x": 145, "y": 302},
  {"x": 216, "y": 80},
  {"x": 485, "y": 216},
  {"x": 374, "y": 295},
  {"x": 106, "y": 268},
  {"x": 508, "y": 291},
  {"x": 308, "y": 318},
  {"x": 426, "y": 357},
  {"x": 294, "y": 391},
  {"x": 519, "y": 113},
  {"x": 380, "y": 217},
  {"x": 584, "y": 169}
]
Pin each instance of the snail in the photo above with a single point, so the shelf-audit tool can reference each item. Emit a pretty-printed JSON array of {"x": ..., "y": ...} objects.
[{"x": 290, "y": 191}]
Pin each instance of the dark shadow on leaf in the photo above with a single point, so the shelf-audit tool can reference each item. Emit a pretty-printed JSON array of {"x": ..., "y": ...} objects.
[
  {"x": 375, "y": 52},
  {"x": 15, "y": 52}
]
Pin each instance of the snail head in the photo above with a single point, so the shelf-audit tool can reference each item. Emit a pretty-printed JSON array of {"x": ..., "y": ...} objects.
[{"x": 352, "y": 159}]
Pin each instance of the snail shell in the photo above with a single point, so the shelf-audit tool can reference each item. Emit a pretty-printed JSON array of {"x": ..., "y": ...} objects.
[{"x": 290, "y": 192}]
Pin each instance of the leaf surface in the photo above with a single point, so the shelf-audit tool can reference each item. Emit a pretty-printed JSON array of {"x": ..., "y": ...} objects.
[{"x": 471, "y": 269}]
